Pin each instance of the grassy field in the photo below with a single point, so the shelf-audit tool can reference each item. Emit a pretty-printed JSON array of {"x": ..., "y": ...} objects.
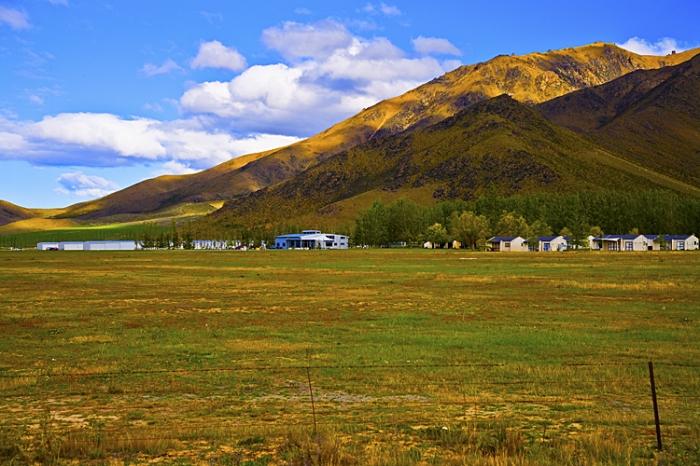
[{"x": 414, "y": 357}]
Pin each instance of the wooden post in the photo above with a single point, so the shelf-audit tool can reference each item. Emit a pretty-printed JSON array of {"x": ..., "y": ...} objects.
[
  {"x": 659, "y": 446},
  {"x": 311, "y": 391}
]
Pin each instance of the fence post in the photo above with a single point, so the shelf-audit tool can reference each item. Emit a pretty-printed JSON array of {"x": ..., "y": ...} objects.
[
  {"x": 311, "y": 391},
  {"x": 659, "y": 446}
]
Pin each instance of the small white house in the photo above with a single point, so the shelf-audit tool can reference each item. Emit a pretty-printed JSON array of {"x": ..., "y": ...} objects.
[
  {"x": 629, "y": 243},
  {"x": 508, "y": 244},
  {"x": 552, "y": 243},
  {"x": 675, "y": 242},
  {"x": 591, "y": 243},
  {"x": 311, "y": 239}
]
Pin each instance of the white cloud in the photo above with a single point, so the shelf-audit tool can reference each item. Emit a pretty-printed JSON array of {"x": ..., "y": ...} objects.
[
  {"x": 168, "y": 66},
  {"x": 12, "y": 142},
  {"x": 389, "y": 10},
  {"x": 102, "y": 131},
  {"x": 296, "y": 40},
  {"x": 103, "y": 139},
  {"x": 214, "y": 54},
  {"x": 82, "y": 185},
  {"x": 309, "y": 94},
  {"x": 663, "y": 46},
  {"x": 173, "y": 167},
  {"x": 36, "y": 99},
  {"x": 16, "y": 19},
  {"x": 383, "y": 8},
  {"x": 435, "y": 45}
]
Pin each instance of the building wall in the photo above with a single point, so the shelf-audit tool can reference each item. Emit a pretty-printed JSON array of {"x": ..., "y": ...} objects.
[{"x": 71, "y": 246}]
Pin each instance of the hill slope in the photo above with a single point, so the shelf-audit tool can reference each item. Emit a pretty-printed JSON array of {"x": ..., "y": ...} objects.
[
  {"x": 11, "y": 213},
  {"x": 531, "y": 78},
  {"x": 498, "y": 145},
  {"x": 650, "y": 117}
]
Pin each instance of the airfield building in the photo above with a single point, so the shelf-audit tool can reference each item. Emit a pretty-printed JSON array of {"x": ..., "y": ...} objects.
[
  {"x": 89, "y": 246},
  {"x": 311, "y": 239}
]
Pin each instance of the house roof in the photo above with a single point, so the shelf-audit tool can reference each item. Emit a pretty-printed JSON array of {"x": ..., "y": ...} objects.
[
  {"x": 498, "y": 239},
  {"x": 550, "y": 238},
  {"x": 310, "y": 236}
]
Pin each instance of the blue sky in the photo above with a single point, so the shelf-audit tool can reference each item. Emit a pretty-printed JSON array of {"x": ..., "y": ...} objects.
[{"x": 97, "y": 95}]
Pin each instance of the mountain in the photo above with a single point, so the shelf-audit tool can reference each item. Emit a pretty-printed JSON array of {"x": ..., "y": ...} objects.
[
  {"x": 12, "y": 213},
  {"x": 498, "y": 145},
  {"x": 531, "y": 78},
  {"x": 650, "y": 117}
]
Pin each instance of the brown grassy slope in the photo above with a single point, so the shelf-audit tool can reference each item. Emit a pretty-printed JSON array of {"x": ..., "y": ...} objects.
[
  {"x": 535, "y": 77},
  {"x": 497, "y": 146},
  {"x": 650, "y": 117},
  {"x": 11, "y": 213}
]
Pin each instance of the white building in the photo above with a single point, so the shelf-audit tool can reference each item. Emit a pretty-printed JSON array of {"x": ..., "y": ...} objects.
[
  {"x": 48, "y": 246},
  {"x": 89, "y": 246},
  {"x": 675, "y": 242},
  {"x": 552, "y": 243},
  {"x": 111, "y": 246},
  {"x": 71, "y": 246},
  {"x": 629, "y": 243},
  {"x": 214, "y": 244},
  {"x": 311, "y": 239},
  {"x": 508, "y": 244}
]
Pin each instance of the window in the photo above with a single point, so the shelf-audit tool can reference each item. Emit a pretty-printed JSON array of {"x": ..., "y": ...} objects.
[
  {"x": 612, "y": 246},
  {"x": 629, "y": 246},
  {"x": 545, "y": 246},
  {"x": 506, "y": 244},
  {"x": 681, "y": 246}
]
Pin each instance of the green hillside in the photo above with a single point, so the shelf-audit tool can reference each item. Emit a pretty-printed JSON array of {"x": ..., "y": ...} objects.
[
  {"x": 531, "y": 78},
  {"x": 497, "y": 146},
  {"x": 651, "y": 118}
]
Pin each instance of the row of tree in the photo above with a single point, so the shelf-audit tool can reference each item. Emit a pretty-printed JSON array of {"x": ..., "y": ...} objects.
[{"x": 573, "y": 215}]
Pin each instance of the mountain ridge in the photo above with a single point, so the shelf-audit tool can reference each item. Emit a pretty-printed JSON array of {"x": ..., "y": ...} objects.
[
  {"x": 531, "y": 78},
  {"x": 497, "y": 145}
]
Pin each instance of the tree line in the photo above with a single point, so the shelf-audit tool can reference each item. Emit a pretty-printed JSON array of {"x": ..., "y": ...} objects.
[{"x": 574, "y": 215}]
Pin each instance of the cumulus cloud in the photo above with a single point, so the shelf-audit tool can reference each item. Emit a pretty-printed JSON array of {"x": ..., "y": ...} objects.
[
  {"x": 103, "y": 139},
  {"x": 331, "y": 75},
  {"x": 168, "y": 66},
  {"x": 79, "y": 184},
  {"x": 16, "y": 19},
  {"x": 295, "y": 40},
  {"x": 663, "y": 46},
  {"x": 214, "y": 54},
  {"x": 435, "y": 45},
  {"x": 173, "y": 167}
]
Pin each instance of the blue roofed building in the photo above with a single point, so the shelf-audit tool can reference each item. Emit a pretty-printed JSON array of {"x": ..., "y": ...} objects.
[{"x": 311, "y": 239}]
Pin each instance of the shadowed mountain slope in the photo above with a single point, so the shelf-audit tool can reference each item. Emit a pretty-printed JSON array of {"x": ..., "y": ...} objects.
[
  {"x": 531, "y": 78},
  {"x": 12, "y": 213},
  {"x": 649, "y": 117},
  {"x": 495, "y": 146}
]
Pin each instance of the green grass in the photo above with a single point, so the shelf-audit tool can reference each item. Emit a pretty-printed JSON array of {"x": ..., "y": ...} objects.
[
  {"x": 111, "y": 231},
  {"x": 547, "y": 352}
]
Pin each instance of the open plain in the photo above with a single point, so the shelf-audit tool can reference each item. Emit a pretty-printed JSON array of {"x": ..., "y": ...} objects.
[{"x": 348, "y": 357}]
